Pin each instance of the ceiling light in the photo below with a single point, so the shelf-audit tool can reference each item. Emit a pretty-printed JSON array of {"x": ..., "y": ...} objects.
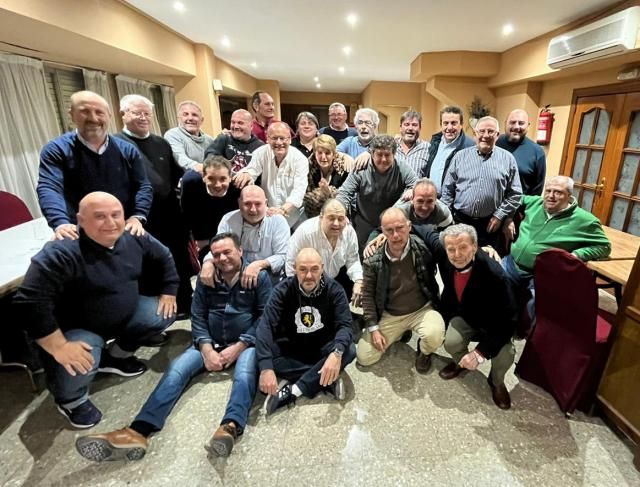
[
  {"x": 341, "y": 69},
  {"x": 179, "y": 6},
  {"x": 352, "y": 19},
  {"x": 254, "y": 64},
  {"x": 347, "y": 50},
  {"x": 507, "y": 29},
  {"x": 316, "y": 79},
  {"x": 226, "y": 42},
  {"x": 318, "y": 85}
]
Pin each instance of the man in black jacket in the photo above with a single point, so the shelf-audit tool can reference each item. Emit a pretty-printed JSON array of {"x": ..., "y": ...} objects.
[
  {"x": 478, "y": 305},
  {"x": 304, "y": 335},
  {"x": 445, "y": 144}
]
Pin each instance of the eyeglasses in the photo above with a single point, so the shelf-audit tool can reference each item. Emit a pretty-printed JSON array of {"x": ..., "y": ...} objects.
[
  {"x": 487, "y": 132},
  {"x": 146, "y": 115},
  {"x": 279, "y": 139},
  {"x": 367, "y": 123}
]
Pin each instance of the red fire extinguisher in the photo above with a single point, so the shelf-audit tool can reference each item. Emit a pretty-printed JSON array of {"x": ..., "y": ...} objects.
[{"x": 545, "y": 125}]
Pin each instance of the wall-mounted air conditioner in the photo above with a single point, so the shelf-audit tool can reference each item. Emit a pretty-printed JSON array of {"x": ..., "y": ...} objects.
[{"x": 612, "y": 35}]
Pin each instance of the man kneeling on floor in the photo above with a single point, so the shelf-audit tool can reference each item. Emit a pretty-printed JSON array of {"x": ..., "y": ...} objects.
[
  {"x": 400, "y": 293},
  {"x": 479, "y": 306},
  {"x": 223, "y": 320},
  {"x": 78, "y": 294},
  {"x": 304, "y": 335}
]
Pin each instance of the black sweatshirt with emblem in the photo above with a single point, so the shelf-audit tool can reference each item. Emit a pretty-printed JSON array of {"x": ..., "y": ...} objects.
[{"x": 299, "y": 326}]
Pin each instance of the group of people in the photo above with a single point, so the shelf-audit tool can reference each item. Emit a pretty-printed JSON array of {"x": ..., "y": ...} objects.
[{"x": 311, "y": 257}]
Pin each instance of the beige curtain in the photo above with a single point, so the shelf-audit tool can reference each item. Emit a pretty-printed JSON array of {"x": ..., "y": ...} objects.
[
  {"x": 27, "y": 123},
  {"x": 98, "y": 82},
  {"x": 132, "y": 86},
  {"x": 169, "y": 105}
]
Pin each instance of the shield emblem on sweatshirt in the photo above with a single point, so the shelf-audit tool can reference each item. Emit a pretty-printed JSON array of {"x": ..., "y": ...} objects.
[{"x": 308, "y": 320}]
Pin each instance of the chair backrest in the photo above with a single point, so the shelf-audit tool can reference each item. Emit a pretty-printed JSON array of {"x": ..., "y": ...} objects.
[
  {"x": 13, "y": 211},
  {"x": 566, "y": 296}
]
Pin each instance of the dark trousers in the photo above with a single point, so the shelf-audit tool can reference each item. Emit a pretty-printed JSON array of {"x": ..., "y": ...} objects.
[
  {"x": 306, "y": 375},
  {"x": 480, "y": 224}
]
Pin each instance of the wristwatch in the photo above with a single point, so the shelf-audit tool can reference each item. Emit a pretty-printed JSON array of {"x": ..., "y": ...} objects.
[{"x": 338, "y": 352}]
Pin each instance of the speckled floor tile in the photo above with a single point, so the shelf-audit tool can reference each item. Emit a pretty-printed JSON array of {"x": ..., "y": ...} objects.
[{"x": 395, "y": 427}]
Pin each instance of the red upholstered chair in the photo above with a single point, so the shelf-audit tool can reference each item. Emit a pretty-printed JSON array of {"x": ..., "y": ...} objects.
[
  {"x": 13, "y": 211},
  {"x": 567, "y": 350}
]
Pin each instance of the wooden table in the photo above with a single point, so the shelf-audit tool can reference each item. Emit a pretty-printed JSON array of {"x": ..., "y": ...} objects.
[{"x": 617, "y": 267}]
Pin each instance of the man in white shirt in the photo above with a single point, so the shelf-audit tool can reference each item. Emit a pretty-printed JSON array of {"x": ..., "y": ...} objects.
[
  {"x": 284, "y": 172},
  {"x": 336, "y": 242}
]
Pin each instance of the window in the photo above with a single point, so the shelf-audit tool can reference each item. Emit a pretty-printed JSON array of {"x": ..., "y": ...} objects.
[
  {"x": 61, "y": 84},
  {"x": 158, "y": 108}
]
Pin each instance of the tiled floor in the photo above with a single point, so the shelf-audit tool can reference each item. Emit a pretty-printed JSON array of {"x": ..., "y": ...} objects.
[{"x": 395, "y": 428}]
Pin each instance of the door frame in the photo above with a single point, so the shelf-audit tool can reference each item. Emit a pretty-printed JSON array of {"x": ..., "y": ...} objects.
[{"x": 614, "y": 89}]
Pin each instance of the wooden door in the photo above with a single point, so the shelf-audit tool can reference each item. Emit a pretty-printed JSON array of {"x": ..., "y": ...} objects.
[{"x": 603, "y": 158}]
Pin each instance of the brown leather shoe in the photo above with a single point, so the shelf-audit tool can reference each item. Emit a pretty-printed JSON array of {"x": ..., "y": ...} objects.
[
  {"x": 500, "y": 395},
  {"x": 117, "y": 445},
  {"x": 223, "y": 439},
  {"x": 451, "y": 371},
  {"x": 423, "y": 362}
]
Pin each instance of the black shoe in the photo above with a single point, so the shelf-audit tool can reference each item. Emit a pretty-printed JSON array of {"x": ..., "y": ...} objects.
[
  {"x": 156, "y": 340},
  {"x": 451, "y": 371},
  {"x": 86, "y": 415},
  {"x": 406, "y": 336},
  {"x": 423, "y": 362},
  {"x": 126, "y": 367},
  {"x": 283, "y": 397}
]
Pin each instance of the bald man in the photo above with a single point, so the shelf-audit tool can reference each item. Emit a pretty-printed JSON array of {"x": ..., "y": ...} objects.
[
  {"x": 78, "y": 294},
  {"x": 264, "y": 238},
  {"x": 304, "y": 335},
  {"x": 89, "y": 159},
  {"x": 236, "y": 145},
  {"x": 531, "y": 160},
  {"x": 283, "y": 170}
]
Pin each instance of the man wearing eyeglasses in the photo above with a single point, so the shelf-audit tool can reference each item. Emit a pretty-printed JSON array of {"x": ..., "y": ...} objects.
[
  {"x": 338, "y": 128},
  {"x": 366, "y": 122},
  {"x": 400, "y": 293},
  {"x": 482, "y": 186},
  {"x": 164, "y": 221},
  {"x": 284, "y": 172}
]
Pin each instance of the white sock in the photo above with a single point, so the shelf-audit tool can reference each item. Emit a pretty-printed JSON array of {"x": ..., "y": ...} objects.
[{"x": 295, "y": 390}]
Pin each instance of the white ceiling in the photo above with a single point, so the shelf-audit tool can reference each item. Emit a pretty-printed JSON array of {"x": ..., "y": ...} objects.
[{"x": 294, "y": 41}]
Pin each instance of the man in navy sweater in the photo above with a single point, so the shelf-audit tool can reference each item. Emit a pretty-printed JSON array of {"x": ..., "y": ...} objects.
[
  {"x": 79, "y": 294},
  {"x": 86, "y": 160},
  {"x": 304, "y": 335}
]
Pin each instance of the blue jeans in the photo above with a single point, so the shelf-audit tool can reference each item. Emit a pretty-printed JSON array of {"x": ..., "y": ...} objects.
[
  {"x": 184, "y": 368},
  {"x": 70, "y": 391},
  {"x": 305, "y": 375},
  {"x": 523, "y": 286}
]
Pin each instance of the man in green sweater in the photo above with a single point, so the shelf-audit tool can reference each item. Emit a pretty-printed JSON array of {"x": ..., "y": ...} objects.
[{"x": 553, "y": 220}]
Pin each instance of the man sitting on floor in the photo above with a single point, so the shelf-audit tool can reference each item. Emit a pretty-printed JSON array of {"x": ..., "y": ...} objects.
[
  {"x": 477, "y": 303},
  {"x": 78, "y": 294},
  {"x": 223, "y": 322},
  {"x": 304, "y": 335},
  {"x": 400, "y": 293}
]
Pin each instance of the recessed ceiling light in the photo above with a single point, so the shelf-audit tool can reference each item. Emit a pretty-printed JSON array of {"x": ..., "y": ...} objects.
[
  {"x": 179, "y": 6},
  {"x": 347, "y": 50},
  {"x": 226, "y": 42},
  {"x": 352, "y": 19},
  {"x": 341, "y": 69},
  {"x": 507, "y": 29},
  {"x": 316, "y": 79},
  {"x": 254, "y": 64},
  {"x": 318, "y": 85}
]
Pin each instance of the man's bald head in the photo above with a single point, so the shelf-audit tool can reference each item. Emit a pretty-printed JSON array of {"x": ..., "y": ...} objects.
[
  {"x": 396, "y": 227},
  {"x": 91, "y": 114},
  {"x": 392, "y": 214},
  {"x": 241, "y": 124},
  {"x": 517, "y": 125},
  {"x": 253, "y": 204},
  {"x": 309, "y": 268},
  {"x": 101, "y": 217}
]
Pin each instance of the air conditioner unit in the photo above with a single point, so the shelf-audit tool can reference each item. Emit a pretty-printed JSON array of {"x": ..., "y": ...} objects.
[{"x": 612, "y": 35}]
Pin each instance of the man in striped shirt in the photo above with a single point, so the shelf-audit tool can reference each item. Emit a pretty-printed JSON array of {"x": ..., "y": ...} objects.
[
  {"x": 482, "y": 186},
  {"x": 411, "y": 150}
]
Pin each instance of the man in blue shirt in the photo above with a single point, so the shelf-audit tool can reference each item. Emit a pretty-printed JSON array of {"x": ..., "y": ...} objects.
[
  {"x": 366, "y": 122},
  {"x": 89, "y": 159},
  {"x": 223, "y": 325}
]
